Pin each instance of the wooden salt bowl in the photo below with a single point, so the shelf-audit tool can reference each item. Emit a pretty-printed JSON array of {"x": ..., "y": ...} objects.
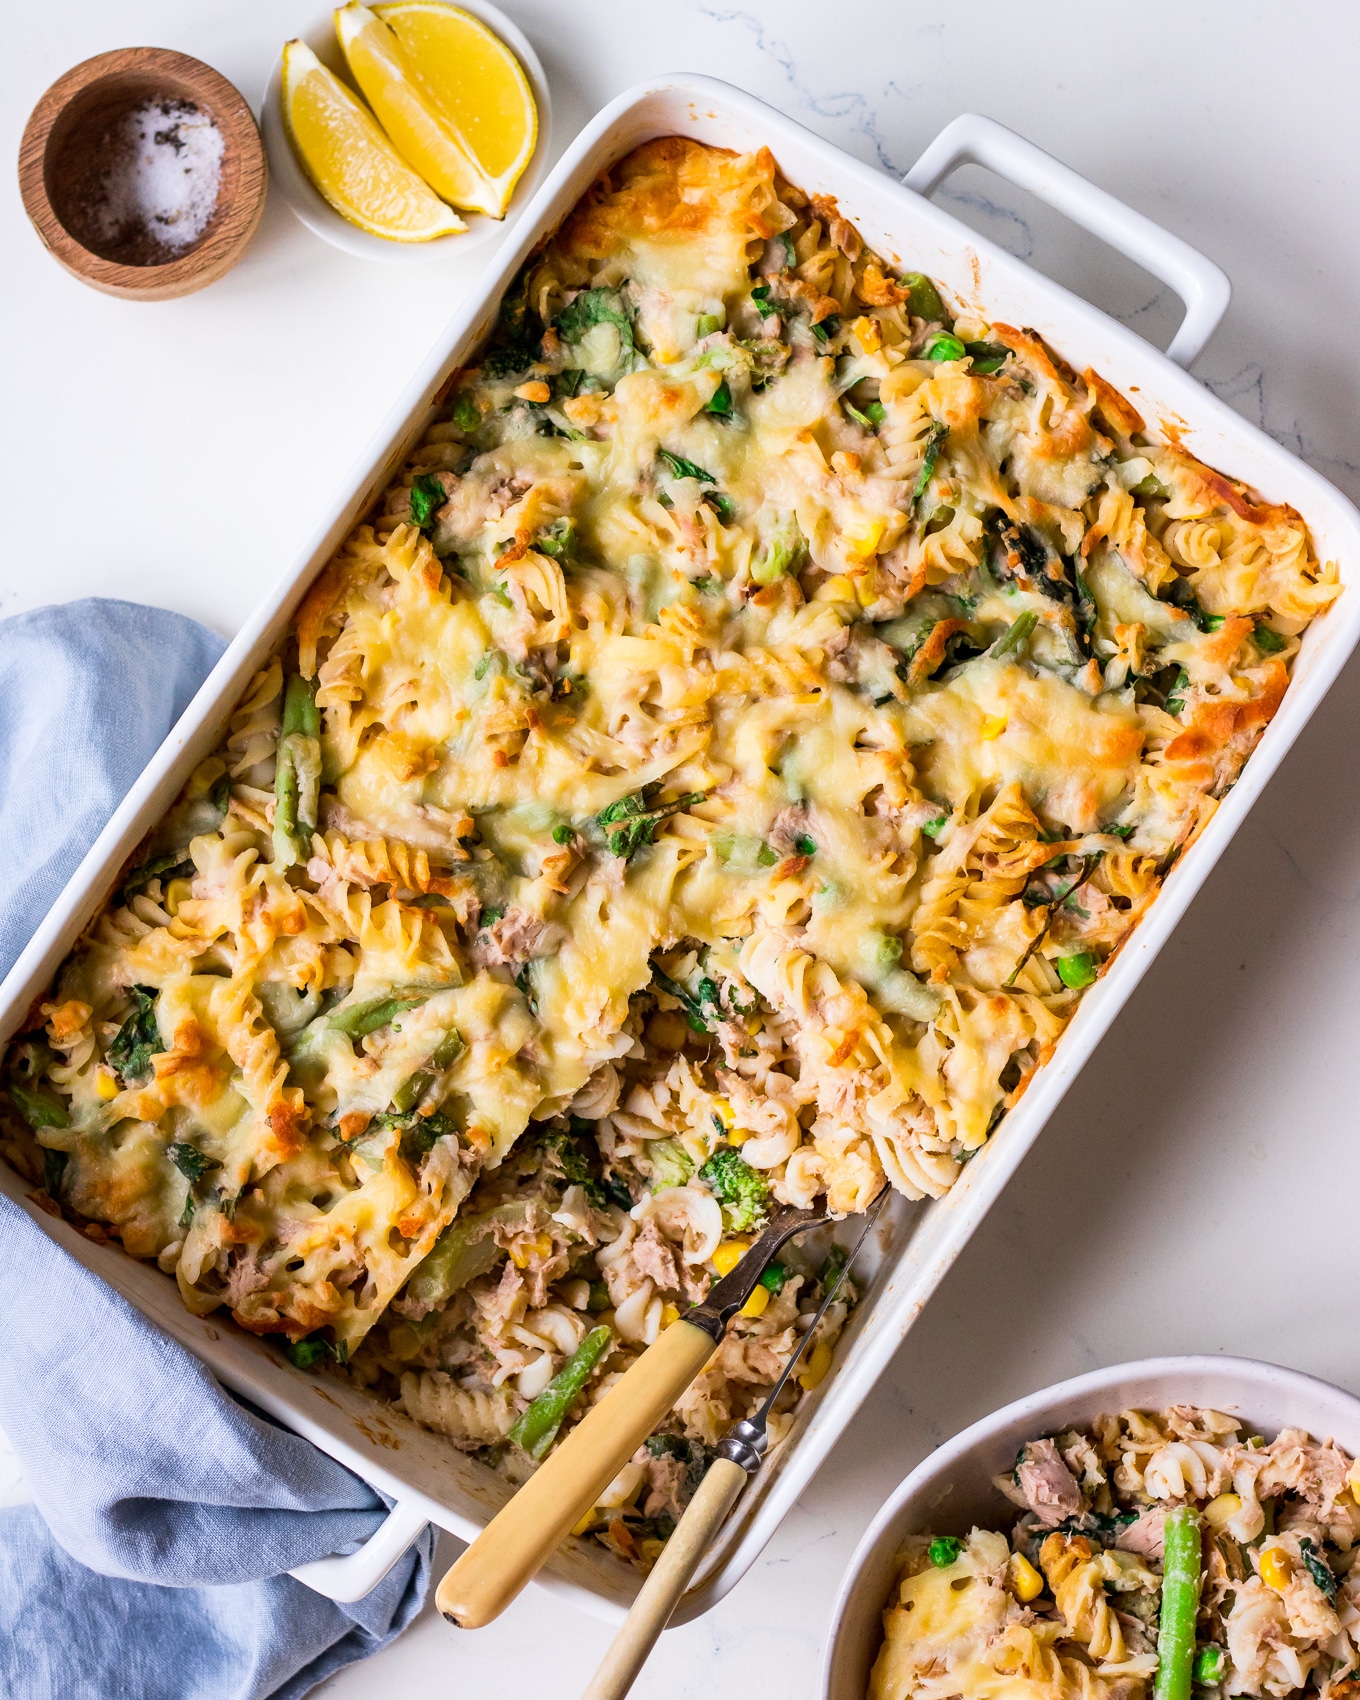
[{"x": 59, "y": 163}]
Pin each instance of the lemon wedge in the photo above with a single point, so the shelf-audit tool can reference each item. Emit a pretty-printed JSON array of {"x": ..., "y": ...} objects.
[
  {"x": 450, "y": 94},
  {"x": 349, "y": 159}
]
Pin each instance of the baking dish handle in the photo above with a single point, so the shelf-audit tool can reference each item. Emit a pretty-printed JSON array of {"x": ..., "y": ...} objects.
[
  {"x": 348, "y": 1578},
  {"x": 974, "y": 140}
]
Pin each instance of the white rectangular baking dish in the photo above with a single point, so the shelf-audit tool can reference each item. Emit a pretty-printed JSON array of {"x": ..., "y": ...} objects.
[{"x": 425, "y": 1477}]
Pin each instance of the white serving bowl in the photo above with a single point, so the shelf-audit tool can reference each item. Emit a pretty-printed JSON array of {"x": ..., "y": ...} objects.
[
  {"x": 318, "y": 214},
  {"x": 952, "y": 1489}
]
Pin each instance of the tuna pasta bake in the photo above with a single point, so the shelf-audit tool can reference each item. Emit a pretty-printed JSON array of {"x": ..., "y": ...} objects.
[
  {"x": 711, "y": 774},
  {"x": 1155, "y": 1554}
]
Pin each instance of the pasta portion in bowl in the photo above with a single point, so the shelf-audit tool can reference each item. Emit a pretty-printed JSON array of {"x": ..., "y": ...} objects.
[
  {"x": 1174, "y": 1548},
  {"x": 712, "y": 775}
]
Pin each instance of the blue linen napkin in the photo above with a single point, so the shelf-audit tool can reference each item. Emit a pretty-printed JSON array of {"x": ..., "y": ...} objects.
[{"x": 165, "y": 1509}]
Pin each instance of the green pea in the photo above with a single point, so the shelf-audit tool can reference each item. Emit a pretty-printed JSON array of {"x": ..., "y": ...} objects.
[
  {"x": 945, "y": 347},
  {"x": 1077, "y": 970}
]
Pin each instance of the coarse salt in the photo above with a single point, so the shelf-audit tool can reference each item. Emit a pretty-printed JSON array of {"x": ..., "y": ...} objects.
[{"x": 163, "y": 174}]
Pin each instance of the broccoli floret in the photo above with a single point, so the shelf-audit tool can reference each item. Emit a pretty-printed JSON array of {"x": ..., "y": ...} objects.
[
  {"x": 573, "y": 1163},
  {"x": 743, "y": 1194},
  {"x": 666, "y": 1163}
]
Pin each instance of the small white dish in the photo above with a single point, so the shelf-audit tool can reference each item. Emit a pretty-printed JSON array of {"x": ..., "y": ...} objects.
[
  {"x": 952, "y": 1489},
  {"x": 317, "y": 213}
]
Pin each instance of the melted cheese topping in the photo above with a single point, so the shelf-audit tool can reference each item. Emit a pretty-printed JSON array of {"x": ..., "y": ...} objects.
[{"x": 738, "y": 619}]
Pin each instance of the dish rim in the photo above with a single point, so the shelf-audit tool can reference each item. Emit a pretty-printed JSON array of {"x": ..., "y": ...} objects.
[{"x": 704, "y": 108}]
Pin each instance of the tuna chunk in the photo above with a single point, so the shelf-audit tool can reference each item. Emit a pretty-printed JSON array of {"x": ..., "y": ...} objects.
[
  {"x": 1147, "y": 1535},
  {"x": 652, "y": 1256},
  {"x": 516, "y": 938},
  {"x": 1047, "y": 1485}
]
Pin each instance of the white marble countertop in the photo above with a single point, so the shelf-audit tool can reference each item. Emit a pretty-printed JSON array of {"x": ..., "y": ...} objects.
[{"x": 1197, "y": 1191}]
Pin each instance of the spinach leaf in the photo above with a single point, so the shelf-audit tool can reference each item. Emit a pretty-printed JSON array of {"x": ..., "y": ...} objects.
[
  {"x": 596, "y": 307},
  {"x": 829, "y": 327},
  {"x": 38, "y": 1104},
  {"x": 720, "y": 402},
  {"x": 681, "y": 468},
  {"x": 190, "y": 1161},
  {"x": 1318, "y": 1568},
  {"x": 694, "y": 1014},
  {"x": 138, "y": 1039}
]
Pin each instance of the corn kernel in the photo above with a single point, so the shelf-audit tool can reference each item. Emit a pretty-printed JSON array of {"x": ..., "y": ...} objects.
[
  {"x": 106, "y": 1085},
  {"x": 175, "y": 894},
  {"x": 993, "y": 725},
  {"x": 837, "y": 589},
  {"x": 669, "y": 1314},
  {"x": 729, "y": 1254},
  {"x": 1275, "y": 1568},
  {"x": 1222, "y": 1510},
  {"x": 756, "y": 1304},
  {"x": 1354, "y": 1482},
  {"x": 737, "y": 1136},
  {"x": 865, "y": 539},
  {"x": 817, "y": 1366},
  {"x": 868, "y": 333},
  {"x": 535, "y": 390},
  {"x": 1023, "y": 1580},
  {"x": 586, "y": 1523},
  {"x": 866, "y": 589},
  {"x": 524, "y": 1250},
  {"x": 722, "y": 1109}
]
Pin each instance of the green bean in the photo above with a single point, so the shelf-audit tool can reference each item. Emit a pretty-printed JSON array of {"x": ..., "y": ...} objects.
[
  {"x": 415, "y": 1086},
  {"x": 1180, "y": 1605},
  {"x": 923, "y": 299},
  {"x": 297, "y": 775},
  {"x": 300, "y": 713},
  {"x": 1013, "y": 640},
  {"x": 465, "y": 1250},
  {"x": 537, "y": 1427},
  {"x": 173, "y": 865},
  {"x": 411, "y": 1091},
  {"x": 360, "y": 1019}
]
